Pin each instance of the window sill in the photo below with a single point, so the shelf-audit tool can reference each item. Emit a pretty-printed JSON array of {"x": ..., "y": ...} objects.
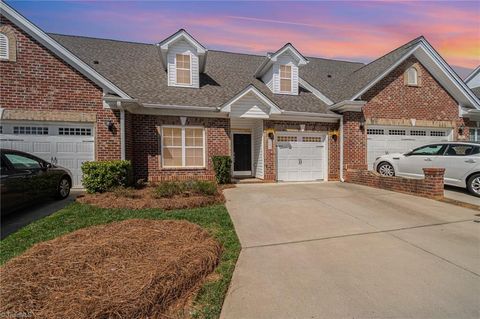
[{"x": 180, "y": 168}]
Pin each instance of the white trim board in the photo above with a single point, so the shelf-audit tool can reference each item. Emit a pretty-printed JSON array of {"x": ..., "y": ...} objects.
[{"x": 59, "y": 50}]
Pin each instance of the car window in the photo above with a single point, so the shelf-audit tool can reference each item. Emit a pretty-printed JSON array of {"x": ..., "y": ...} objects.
[
  {"x": 461, "y": 150},
  {"x": 23, "y": 162},
  {"x": 429, "y": 150}
]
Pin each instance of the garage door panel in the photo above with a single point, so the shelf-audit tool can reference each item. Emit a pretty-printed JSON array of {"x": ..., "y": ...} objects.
[
  {"x": 301, "y": 160},
  {"x": 69, "y": 144},
  {"x": 388, "y": 140}
]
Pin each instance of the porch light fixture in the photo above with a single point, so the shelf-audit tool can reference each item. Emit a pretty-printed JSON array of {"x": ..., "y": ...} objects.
[
  {"x": 109, "y": 125},
  {"x": 271, "y": 136},
  {"x": 461, "y": 129},
  {"x": 362, "y": 124}
]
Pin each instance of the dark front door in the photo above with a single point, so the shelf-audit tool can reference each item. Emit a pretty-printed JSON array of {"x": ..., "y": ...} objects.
[{"x": 242, "y": 152}]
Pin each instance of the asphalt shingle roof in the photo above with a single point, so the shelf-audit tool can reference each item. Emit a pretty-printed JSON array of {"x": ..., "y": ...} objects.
[{"x": 137, "y": 69}]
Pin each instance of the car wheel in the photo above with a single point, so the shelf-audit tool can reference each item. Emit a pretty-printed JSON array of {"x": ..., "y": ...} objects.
[
  {"x": 386, "y": 169},
  {"x": 63, "y": 188},
  {"x": 473, "y": 185}
]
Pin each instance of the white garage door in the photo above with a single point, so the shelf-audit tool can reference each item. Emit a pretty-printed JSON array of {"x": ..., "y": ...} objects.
[
  {"x": 383, "y": 140},
  {"x": 301, "y": 157},
  {"x": 66, "y": 145}
]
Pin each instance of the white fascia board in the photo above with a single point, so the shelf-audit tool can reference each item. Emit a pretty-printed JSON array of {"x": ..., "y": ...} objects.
[
  {"x": 181, "y": 107},
  {"x": 289, "y": 47},
  {"x": 472, "y": 75},
  {"x": 311, "y": 114},
  {"x": 451, "y": 74},
  {"x": 438, "y": 60},
  {"x": 185, "y": 35},
  {"x": 59, "y": 50},
  {"x": 348, "y": 106},
  {"x": 271, "y": 58},
  {"x": 315, "y": 92},
  {"x": 274, "y": 109},
  {"x": 303, "y": 118},
  {"x": 385, "y": 73}
]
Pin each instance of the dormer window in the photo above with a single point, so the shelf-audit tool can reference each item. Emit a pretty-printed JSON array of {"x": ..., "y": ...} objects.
[
  {"x": 183, "y": 69},
  {"x": 183, "y": 58},
  {"x": 286, "y": 78}
]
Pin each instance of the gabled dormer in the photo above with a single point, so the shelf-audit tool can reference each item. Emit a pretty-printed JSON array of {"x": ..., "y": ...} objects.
[
  {"x": 279, "y": 71},
  {"x": 184, "y": 59}
]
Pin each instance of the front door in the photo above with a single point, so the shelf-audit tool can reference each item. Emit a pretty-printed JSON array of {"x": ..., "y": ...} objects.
[{"x": 242, "y": 154}]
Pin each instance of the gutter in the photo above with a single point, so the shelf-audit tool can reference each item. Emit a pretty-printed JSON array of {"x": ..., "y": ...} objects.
[
  {"x": 341, "y": 150},
  {"x": 181, "y": 107}
]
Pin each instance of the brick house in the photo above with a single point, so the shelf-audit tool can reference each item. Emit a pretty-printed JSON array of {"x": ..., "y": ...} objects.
[{"x": 170, "y": 106}]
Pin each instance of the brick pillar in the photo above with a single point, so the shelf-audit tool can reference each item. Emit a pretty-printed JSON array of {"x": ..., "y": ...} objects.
[
  {"x": 354, "y": 141},
  {"x": 434, "y": 182}
]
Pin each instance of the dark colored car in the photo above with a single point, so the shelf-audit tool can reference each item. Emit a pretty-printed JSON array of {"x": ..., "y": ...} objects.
[{"x": 26, "y": 178}]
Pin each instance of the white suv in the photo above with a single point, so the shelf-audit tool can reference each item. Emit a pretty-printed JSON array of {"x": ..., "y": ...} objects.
[{"x": 461, "y": 161}]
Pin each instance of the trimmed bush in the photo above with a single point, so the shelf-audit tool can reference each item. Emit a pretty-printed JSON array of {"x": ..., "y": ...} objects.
[
  {"x": 101, "y": 176},
  {"x": 193, "y": 187},
  {"x": 222, "y": 166},
  {"x": 204, "y": 188},
  {"x": 169, "y": 189}
]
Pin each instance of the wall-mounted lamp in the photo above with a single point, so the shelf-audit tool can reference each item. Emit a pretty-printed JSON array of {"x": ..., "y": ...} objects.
[
  {"x": 362, "y": 124},
  {"x": 461, "y": 129},
  {"x": 109, "y": 125},
  {"x": 271, "y": 135},
  {"x": 334, "y": 137}
]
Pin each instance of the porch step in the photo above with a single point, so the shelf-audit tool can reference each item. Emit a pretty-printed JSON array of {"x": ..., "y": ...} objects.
[{"x": 247, "y": 180}]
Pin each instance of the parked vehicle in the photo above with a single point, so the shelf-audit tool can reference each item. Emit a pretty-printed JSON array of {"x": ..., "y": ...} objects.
[
  {"x": 26, "y": 178},
  {"x": 461, "y": 161}
]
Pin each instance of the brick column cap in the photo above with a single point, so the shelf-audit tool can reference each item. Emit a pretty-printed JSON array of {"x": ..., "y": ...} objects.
[{"x": 434, "y": 171}]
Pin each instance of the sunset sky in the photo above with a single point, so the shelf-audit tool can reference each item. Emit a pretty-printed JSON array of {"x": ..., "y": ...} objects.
[{"x": 356, "y": 31}]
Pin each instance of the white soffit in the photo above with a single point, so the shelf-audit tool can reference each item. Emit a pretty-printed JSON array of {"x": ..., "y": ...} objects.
[{"x": 274, "y": 109}]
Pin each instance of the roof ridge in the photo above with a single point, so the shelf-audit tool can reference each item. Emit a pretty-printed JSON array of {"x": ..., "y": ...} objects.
[
  {"x": 409, "y": 43},
  {"x": 96, "y": 38}
]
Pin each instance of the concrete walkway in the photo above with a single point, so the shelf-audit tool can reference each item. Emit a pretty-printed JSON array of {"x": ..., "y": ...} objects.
[{"x": 333, "y": 250}]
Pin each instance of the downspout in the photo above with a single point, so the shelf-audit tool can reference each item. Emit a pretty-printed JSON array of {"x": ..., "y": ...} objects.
[
  {"x": 122, "y": 131},
  {"x": 341, "y": 150}
]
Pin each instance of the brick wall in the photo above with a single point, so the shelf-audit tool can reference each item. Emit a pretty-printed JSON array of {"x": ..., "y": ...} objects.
[
  {"x": 392, "y": 99},
  {"x": 146, "y": 146},
  {"x": 40, "y": 81},
  {"x": 431, "y": 186},
  {"x": 354, "y": 140},
  {"x": 279, "y": 126}
]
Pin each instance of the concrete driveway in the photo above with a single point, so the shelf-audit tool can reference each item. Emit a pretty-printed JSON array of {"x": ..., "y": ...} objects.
[{"x": 336, "y": 250}]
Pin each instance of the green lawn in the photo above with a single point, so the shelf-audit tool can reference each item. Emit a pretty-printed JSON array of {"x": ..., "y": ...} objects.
[{"x": 214, "y": 219}]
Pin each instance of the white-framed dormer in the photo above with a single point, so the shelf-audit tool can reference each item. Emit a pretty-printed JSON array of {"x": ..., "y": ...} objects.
[
  {"x": 183, "y": 58},
  {"x": 279, "y": 71}
]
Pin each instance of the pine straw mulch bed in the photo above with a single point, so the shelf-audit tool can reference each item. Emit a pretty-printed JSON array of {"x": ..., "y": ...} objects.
[
  {"x": 136, "y": 268},
  {"x": 144, "y": 198}
]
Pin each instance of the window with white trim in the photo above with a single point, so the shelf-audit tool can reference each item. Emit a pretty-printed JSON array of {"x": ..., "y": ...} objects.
[
  {"x": 183, "y": 146},
  {"x": 418, "y": 133},
  {"x": 438, "y": 133},
  {"x": 412, "y": 76},
  {"x": 397, "y": 132},
  {"x": 286, "y": 78},
  {"x": 375, "y": 131},
  {"x": 4, "y": 49},
  {"x": 30, "y": 130},
  {"x": 183, "y": 69}
]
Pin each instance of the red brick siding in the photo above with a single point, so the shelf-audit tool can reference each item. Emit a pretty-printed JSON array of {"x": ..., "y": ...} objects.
[
  {"x": 39, "y": 80},
  {"x": 431, "y": 186},
  {"x": 354, "y": 140},
  {"x": 146, "y": 153},
  {"x": 278, "y": 126},
  {"x": 392, "y": 99}
]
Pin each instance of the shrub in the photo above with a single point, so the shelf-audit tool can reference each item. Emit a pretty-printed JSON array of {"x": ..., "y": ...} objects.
[
  {"x": 101, "y": 176},
  {"x": 169, "y": 189},
  {"x": 204, "y": 188},
  {"x": 126, "y": 192},
  {"x": 222, "y": 166}
]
